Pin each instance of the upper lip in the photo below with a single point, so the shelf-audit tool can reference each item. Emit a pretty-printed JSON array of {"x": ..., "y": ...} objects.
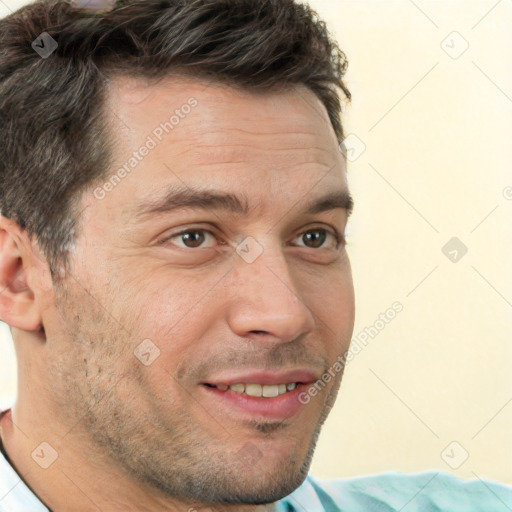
[{"x": 264, "y": 377}]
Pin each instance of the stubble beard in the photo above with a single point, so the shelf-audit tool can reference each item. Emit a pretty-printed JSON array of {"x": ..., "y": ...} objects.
[{"x": 163, "y": 451}]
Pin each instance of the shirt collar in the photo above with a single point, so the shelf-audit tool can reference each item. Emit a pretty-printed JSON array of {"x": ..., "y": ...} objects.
[
  {"x": 14, "y": 493},
  {"x": 303, "y": 499}
]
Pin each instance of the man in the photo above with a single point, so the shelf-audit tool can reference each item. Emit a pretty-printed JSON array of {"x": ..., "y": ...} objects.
[{"x": 173, "y": 265}]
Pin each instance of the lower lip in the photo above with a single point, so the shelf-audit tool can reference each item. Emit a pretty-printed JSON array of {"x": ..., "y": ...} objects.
[{"x": 279, "y": 407}]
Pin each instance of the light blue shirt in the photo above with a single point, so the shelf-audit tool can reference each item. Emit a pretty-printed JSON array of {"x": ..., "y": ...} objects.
[{"x": 387, "y": 492}]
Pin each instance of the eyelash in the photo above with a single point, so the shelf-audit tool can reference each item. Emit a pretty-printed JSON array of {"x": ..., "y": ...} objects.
[{"x": 340, "y": 239}]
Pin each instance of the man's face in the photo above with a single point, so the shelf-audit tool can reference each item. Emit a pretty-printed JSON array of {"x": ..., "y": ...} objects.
[{"x": 152, "y": 325}]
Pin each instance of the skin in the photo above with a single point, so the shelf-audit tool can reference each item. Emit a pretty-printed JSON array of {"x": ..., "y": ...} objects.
[{"x": 135, "y": 437}]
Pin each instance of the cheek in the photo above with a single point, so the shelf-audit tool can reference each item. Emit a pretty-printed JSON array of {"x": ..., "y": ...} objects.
[
  {"x": 166, "y": 311},
  {"x": 167, "y": 324},
  {"x": 335, "y": 311}
]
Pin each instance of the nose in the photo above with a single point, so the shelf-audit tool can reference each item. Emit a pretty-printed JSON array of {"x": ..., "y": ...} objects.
[{"x": 266, "y": 303}]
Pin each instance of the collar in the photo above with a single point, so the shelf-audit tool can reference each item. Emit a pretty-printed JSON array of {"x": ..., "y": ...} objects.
[
  {"x": 14, "y": 493},
  {"x": 303, "y": 499}
]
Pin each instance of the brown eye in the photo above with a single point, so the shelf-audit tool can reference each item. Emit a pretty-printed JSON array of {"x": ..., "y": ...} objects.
[
  {"x": 195, "y": 238},
  {"x": 315, "y": 238},
  {"x": 191, "y": 238}
]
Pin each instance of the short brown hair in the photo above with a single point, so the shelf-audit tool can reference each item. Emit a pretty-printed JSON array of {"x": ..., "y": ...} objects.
[{"x": 51, "y": 109}]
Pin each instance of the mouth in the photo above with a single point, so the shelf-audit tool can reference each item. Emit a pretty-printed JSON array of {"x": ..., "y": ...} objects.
[
  {"x": 257, "y": 390},
  {"x": 260, "y": 394}
]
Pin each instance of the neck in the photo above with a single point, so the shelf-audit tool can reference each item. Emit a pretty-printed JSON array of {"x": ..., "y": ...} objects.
[{"x": 66, "y": 471}]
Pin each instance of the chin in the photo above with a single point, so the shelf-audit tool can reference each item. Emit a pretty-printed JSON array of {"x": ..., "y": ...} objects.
[{"x": 268, "y": 490}]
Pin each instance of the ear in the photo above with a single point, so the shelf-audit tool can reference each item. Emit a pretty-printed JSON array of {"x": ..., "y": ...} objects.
[{"x": 18, "y": 307}]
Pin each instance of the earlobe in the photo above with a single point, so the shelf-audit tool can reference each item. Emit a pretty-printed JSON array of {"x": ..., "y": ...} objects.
[{"x": 18, "y": 307}]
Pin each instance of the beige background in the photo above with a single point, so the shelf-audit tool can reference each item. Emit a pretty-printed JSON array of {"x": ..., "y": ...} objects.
[{"x": 434, "y": 384}]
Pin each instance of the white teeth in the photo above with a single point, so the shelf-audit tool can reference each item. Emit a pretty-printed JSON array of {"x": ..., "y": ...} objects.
[
  {"x": 224, "y": 387},
  {"x": 267, "y": 390},
  {"x": 270, "y": 390},
  {"x": 237, "y": 388},
  {"x": 253, "y": 389}
]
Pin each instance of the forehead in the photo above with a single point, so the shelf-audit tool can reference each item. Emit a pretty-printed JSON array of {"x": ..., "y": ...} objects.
[
  {"x": 257, "y": 142},
  {"x": 297, "y": 114}
]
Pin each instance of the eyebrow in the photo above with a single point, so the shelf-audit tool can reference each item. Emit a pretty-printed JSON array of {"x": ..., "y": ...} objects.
[{"x": 185, "y": 197}]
